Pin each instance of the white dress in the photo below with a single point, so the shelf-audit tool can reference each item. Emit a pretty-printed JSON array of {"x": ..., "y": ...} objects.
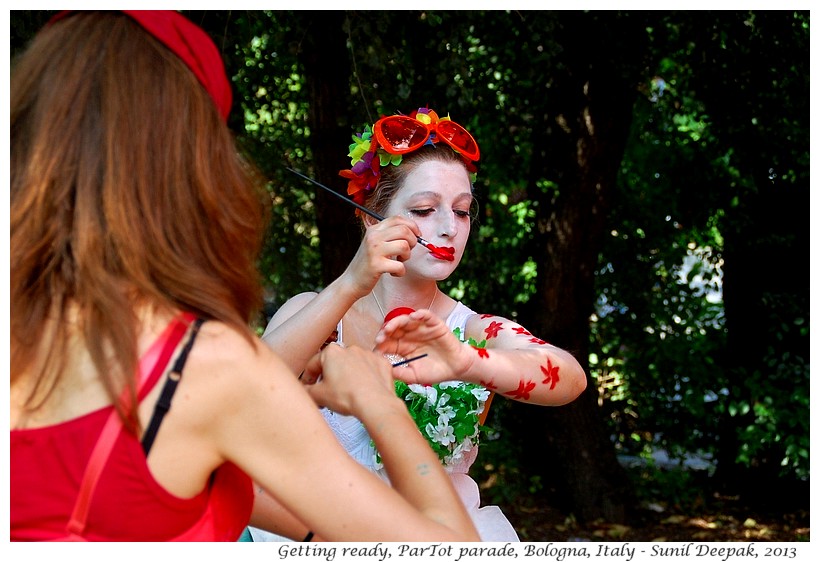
[{"x": 490, "y": 522}]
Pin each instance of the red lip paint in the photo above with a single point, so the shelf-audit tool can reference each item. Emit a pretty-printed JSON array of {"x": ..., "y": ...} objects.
[{"x": 441, "y": 253}]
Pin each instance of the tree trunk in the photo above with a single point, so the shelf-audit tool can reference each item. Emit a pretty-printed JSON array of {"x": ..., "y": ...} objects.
[{"x": 327, "y": 72}]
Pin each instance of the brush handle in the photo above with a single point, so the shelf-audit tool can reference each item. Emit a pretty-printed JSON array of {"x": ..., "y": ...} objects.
[
  {"x": 363, "y": 209},
  {"x": 406, "y": 361}
]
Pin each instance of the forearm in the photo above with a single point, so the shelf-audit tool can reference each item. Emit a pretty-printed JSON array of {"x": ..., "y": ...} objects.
[
  {"x": 546, "y": 375},
  {"x": 516, "y": 364},
  {"x": 267, "y": 423},
  {"x": 270, "y": 515},
  {"x": 296, "y": 333},
  {"x": 500, "y": 355}
]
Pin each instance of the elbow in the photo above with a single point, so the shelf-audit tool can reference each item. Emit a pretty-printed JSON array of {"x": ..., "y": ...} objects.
[
  {"x": 580, "y": 383},
  {"x": 576, "y": 385}
]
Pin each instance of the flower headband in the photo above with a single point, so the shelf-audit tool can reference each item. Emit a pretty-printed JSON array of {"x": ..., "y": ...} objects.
[{"x": 391, "y": 137}]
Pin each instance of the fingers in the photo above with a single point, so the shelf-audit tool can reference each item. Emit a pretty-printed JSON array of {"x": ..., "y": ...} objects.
[
  {"x": 400, "y": 221},
  {"x": 421, "y": 323},
  {"x": 313, "y": 374},
  {"x": 390, "y": 255},
  {"x": 418, "y": 333},
  {"x": 398, "y": 234},
  {"x": 313, "y": 370},
  {"x": 383, "y": 249},
  {"x": 344, "y": 379}
]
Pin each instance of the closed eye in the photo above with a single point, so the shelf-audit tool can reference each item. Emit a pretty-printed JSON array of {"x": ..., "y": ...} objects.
[{"x": 428, "y": 211}]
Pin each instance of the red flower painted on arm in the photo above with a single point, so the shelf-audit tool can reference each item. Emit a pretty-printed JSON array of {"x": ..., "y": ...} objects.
[
  {"x": 488, "y": 385},
  {"x": 483, "y": 353},
  {"x": 483, "y": 316},
  {"x": 493, "y": 329},
  {"x": 521, "y": 331},
  {"x": 550, "y": 374},
  {"x": 538, "y": 341},
  {"x": 523, "y": 390}
]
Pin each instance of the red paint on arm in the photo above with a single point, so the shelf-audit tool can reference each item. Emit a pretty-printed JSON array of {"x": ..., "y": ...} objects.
[
  {"x": 523, "y": 390},
  {"x": 489, "y": 385},
  {"x": 550, "y": 374},
  {"x": 483, "y": 353},
  {"x": 493, "y": 329}
]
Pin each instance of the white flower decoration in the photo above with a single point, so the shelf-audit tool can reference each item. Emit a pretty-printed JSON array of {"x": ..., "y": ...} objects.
[
  {"x": 428, "y": 392},
  {"x": 447, "y": 414},
  {"x": 450, "y": 384},
  {"x": 481, "y": 394},
  {"x": 442, "y": 434}
]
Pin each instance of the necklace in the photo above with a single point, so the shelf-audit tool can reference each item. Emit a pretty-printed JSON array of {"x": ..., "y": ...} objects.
[
  {"x": 375, "y": 298},
  {"x": 394, "y": 357}
]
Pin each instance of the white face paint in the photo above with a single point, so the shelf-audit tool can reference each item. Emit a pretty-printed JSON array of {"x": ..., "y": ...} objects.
[{"x": 437, "y": 196}]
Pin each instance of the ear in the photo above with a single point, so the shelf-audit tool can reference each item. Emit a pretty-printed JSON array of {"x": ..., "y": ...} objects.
[{"x": 368, "y": 220}]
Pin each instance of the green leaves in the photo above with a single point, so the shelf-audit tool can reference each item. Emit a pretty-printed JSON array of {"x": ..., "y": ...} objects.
[{"x": 446, "y": 414}]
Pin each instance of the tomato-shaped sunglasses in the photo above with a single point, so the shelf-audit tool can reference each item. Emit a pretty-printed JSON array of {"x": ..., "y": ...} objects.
[{"x": 399, "y": 134}]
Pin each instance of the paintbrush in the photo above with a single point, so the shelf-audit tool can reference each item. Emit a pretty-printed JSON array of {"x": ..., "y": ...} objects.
[
  {"x": 435, "y": 250},
  {"x": 396, "y": 364},
  {"x": 406, "y": 361}
]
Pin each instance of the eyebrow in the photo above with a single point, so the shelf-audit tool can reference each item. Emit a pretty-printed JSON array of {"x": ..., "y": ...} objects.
[{"x": 437, "y": 196}]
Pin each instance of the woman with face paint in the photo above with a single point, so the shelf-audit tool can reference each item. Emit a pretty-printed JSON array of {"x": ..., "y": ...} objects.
[{"x": 417, "y": 170}]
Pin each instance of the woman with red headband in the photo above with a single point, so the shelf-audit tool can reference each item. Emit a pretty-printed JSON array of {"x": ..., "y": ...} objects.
[
  {"x": 417, "y": 171},
  {"x": 143, "y": 408}
]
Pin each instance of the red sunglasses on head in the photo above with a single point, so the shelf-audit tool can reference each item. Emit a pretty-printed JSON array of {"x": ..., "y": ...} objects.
[{"x": 399, "y": 134}]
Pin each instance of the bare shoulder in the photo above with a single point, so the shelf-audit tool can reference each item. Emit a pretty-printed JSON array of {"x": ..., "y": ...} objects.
[
  {"x": 301, "y": 299},
  {"x": 218, "y": 344},
  {"x": 232, "y": 388},
  {"x": 478, "y": 322},
  {"x": 225, "y": 365},
  {"x": 291, "y": 307}
]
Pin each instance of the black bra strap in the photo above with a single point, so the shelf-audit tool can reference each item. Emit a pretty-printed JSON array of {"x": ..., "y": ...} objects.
[{"x": 164, "y": 402}]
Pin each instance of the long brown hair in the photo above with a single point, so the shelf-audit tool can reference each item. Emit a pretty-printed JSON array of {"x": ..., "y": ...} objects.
[{"x": 126, "y": 190}]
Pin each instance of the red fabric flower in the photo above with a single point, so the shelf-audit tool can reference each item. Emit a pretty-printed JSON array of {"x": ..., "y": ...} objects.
[{"x": 363, "y": 176}]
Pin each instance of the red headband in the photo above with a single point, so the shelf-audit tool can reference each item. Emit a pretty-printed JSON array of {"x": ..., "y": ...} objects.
[{"x": 191, "y": 44}]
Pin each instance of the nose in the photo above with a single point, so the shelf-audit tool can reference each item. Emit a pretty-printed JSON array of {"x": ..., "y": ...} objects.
[{"x": 448, "y": 227}]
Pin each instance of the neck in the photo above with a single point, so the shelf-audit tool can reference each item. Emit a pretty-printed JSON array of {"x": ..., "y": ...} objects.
[{"x": 387, "y": 301}]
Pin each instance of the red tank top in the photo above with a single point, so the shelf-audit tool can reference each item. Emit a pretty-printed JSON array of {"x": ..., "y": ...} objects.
[{"x": 47, "y": 465}]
